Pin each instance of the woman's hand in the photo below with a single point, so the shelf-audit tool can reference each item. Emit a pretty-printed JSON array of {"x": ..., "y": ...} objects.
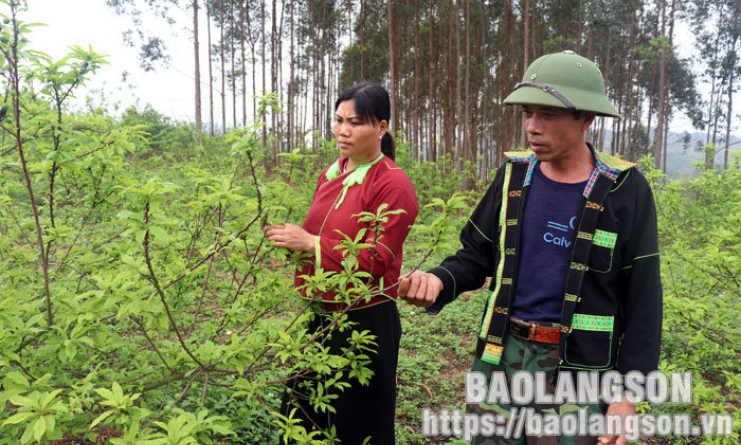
[{"x": 291, "y": 237}]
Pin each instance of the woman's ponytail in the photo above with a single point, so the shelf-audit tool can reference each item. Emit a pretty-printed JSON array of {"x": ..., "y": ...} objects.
[{"x": 388, "y": 146}]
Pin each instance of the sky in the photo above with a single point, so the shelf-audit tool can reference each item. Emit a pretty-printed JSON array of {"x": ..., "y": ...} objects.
[{"x": 92, "y": 23}]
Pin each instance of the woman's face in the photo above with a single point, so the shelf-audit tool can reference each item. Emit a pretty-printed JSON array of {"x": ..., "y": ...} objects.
[{"x": 359, "y": 142}]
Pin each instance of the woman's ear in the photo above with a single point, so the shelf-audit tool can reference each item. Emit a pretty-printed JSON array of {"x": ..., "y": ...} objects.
[{"x": 383, "y": 128}]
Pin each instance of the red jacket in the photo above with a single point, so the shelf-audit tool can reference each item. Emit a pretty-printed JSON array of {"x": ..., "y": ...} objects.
[{"x": 334, "y": 215}]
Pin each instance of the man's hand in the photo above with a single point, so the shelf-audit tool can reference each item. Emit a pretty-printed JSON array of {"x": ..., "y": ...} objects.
[
  {"x": 623, "y": 408},
  {"x": 420, "y": 288}
]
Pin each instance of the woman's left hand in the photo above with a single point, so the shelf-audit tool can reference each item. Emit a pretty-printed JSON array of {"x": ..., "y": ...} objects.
[{"x": 291, "y": 237}]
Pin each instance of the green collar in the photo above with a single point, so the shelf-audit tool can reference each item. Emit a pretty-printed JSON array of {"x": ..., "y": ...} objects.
[{"x": 355, "y": 177}]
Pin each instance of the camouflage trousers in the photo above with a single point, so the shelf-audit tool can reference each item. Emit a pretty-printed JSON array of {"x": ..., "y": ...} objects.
[{"x": 532, "y": 357}]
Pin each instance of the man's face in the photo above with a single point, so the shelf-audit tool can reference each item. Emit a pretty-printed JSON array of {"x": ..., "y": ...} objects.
[{"x": 554, "y": 133}]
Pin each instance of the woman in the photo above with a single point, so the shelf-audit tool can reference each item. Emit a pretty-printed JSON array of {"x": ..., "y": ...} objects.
[{"x": 363, "y": 179}]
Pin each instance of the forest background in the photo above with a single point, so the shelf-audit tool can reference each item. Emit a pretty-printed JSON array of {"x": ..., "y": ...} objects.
[{"x": 141, "y": 303}]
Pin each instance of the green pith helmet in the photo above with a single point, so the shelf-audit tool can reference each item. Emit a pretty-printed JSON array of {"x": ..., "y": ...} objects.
[{"x": 563, "y": 80}]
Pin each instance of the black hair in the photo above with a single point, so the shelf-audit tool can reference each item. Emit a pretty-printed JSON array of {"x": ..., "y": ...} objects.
[{"x": 372, "y": 104}]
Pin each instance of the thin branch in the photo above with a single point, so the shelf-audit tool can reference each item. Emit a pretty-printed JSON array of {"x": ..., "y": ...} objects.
[{"x": 161, "y": 293}]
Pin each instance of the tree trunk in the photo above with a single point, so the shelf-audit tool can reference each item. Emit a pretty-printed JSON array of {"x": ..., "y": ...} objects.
[
  {"x": 223, "y": 68},
  {"x": 392, "y": 64},
  {"x": 291, "y": 81},
  {"x": 450, "y": 90},
  {"x": 197, "y": 68},
  {"x": 659, "y": 139},
  {"x": 467, "y": 90},
  {"x": 417, "y": 113},
  {"x": 669, "y": 74},
  {"x": 457, "y": 60},
  {"x": 361, "y": 26},
  {"x": 232, "y": 65},
  {"x": 263, "y": 52},
  {"x": 243, "y": 60},
  {"x": 729, "y": 113},
  {"x": 432, "y": 143},
  {"x": 507, "y": 123},
  {"x": 526, "y": 48},
  {"x": 274, "y": 81},
  {"x": 210, "y": 74}
]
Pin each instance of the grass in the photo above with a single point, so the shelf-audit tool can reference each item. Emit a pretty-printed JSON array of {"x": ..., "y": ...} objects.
[{"x": 434, "y": 356}]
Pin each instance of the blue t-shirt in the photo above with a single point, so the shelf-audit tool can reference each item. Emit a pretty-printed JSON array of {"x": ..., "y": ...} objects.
[{"x": 548, "y": 226}]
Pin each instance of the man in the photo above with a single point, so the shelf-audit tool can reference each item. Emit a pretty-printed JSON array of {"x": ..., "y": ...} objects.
[{"x": 568, "y": 235}]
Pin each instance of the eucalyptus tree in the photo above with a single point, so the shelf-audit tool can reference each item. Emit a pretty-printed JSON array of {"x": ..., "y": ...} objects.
[
  {"x": 367, "y": 57},
  {"x": 448, "y": 66},
  {"x": 720, "y": 45},
  {"x": 153, "y": 48},
  {"x": 319, "y": 35},
  {"x": 436, "y": 59}
]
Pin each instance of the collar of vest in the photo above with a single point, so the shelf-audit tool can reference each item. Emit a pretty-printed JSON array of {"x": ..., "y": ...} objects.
[{"x": 606, "y": 164}]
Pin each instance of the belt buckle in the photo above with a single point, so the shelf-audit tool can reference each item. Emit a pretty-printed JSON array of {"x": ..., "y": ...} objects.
[{"x": 531, "y": 331}]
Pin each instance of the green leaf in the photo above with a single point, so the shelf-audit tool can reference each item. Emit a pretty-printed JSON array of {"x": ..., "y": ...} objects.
[
  {"x": 101, "y": 418},
  {"x": 39, "y": 428},
  {"x": 22, "y": 401},
  {"x": 49, "y": 397},
  {"x": 19, "y": 418}
]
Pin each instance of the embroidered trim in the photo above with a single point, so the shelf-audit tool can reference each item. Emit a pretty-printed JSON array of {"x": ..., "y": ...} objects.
[
  {"x": 492, "y": 353},
  {"x": 317, "y": 253},
  {"x": 524, "y": 156},
  {"x": 605, "y": 164},
  {"x": 604, "y": 239},
  {"x": 613, "y": 163},
  {"x": 578, "y": 266},
  {"x": 500, "y": 267},
  {"x": 600, "y": 323}
]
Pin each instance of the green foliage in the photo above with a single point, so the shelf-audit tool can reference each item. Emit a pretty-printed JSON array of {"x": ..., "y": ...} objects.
[
  {"x": 121, "y": 405},
  {"x": 164, "y": 137},
  {"x": 154, "y": 309},
  {"x": 429, "y": 181},
  {"x": 701, "y": 251},
  {"x": 37, "y": 412},
  {"x": 435, "y": 353}
]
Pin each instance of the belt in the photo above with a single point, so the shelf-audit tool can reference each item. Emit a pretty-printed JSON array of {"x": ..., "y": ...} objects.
[{"x": 541, "y": 332}]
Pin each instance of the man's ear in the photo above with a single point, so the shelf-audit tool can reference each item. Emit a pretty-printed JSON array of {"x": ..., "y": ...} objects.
[{"x": 588, "y": 119}]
